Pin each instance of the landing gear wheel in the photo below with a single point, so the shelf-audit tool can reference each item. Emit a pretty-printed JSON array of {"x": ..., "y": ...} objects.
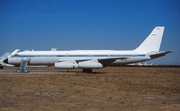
[
  {"x": 87, "y": 70},
  {"x": 1, "y": 67}
]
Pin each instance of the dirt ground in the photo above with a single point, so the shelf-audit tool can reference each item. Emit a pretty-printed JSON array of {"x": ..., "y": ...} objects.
[{"x": 107, "y": 89}]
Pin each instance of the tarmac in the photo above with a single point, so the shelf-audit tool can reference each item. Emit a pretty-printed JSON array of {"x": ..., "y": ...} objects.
[{"x": 12, "y": 70}]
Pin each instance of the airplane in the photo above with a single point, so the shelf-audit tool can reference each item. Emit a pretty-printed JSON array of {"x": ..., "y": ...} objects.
[
  {"x": 140, "y": 64},
  {"x": 145, "y": 64},
  {"x": 5, "y": 56},
  {"x": 2, "y": 58},
  {"x": 93, "y": 59}
]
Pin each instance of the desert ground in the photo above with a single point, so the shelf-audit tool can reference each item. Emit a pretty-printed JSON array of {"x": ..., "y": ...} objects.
[{"x": 107, "y": 89}]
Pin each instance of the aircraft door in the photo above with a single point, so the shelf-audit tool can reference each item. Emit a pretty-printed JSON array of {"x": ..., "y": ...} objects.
[
  {"x": 28, "y": 58},
  {"x": 67, "y": 56},
  {"x": 134, "y": 54}
]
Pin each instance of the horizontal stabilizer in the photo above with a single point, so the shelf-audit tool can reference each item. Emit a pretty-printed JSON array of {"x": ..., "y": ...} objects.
[{"x": 163, "y": 53}]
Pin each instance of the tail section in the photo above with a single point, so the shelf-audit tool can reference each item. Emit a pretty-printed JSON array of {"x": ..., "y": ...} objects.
[
  {"x": 4, "y": 56},
  {"x": 153, "y": 42},
  {"x": 14, "y": 52}
]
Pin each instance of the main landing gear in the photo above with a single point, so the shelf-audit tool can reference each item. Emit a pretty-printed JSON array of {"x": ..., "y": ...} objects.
[
  {"x": 87, "y": 70},
  {"x": 1, "y": 67}
]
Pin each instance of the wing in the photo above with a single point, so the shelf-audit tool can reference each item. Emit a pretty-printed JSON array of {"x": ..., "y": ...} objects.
[
  {"x": 86, "y": 63},
  {"x": 97, "y": 63},
  {"x": 110, "y": 60}
]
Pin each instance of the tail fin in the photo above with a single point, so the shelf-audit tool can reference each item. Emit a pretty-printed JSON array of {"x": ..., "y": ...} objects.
[
  {"x": 153, "y": 41},
  {"x": 14, "y": 52},
  {"x": 4, "y": 56}
]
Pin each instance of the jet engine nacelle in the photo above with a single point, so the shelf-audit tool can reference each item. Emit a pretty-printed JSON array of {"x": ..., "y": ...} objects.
[
  {"x": 65, "y": 65},
  {"x": 90, "y": 65}
]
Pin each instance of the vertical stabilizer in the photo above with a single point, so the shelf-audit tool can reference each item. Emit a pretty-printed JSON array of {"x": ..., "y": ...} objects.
[
  {"x": 3, "y": 57},
  {"x": 14, "y": 52},
  {"x": 153, "y": 42}
]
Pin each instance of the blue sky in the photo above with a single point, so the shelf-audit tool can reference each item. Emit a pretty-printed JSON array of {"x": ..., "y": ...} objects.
[{"x": 88, "y": 24}]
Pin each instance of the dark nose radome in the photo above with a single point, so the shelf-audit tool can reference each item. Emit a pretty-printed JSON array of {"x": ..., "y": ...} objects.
[{"x": 6, "y": 61}]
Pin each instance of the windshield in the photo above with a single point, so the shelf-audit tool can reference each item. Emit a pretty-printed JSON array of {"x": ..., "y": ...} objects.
[{"x": 16, "y": 55}]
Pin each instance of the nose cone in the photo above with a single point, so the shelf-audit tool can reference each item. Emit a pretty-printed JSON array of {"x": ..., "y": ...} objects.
[{"x": 6, "y": 61}]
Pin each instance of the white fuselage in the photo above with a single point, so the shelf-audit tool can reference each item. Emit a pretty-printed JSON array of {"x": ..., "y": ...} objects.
[{"x": 51, "y": 57}]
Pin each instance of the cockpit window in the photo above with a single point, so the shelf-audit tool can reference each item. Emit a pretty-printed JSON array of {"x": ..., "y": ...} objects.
[{"x": 16, "y": 55}]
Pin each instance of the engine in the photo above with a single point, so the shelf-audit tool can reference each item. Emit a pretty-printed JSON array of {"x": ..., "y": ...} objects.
[
  {"x": 65, "y": 65},
  {"x": 90, "y": 64},
  {"x": 84, "y": 65}
]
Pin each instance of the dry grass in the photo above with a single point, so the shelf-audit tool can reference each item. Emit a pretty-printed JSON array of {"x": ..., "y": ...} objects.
[{"x": 108, "y": 89}]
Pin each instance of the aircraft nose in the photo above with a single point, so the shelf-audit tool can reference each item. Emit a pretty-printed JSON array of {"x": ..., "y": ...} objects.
[{"x": 6, "y": 61}]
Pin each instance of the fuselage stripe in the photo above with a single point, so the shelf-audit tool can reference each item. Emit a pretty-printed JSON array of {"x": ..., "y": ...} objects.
[{"x": 21, "y": 56}]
